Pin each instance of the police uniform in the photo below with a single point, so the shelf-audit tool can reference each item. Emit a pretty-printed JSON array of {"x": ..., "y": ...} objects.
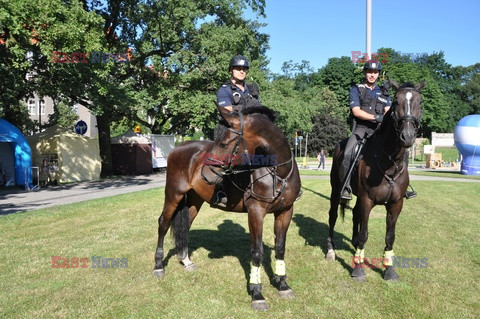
[{"x": 231, "y": 95}]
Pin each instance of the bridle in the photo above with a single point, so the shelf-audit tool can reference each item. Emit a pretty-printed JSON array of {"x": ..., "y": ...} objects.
[
  {"x": 228, "y": 167},
  {"x": 408, "y": 117}
]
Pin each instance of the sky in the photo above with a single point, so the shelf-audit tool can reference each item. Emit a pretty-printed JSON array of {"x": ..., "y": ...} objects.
[{"x": 316, "y": 30}]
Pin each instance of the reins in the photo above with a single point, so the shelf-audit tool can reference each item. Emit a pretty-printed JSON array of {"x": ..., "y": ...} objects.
[
  {"x": 397, "y": 173},
  {"x": 399, "y": 168},
  {"x": 228, "y": 169}
]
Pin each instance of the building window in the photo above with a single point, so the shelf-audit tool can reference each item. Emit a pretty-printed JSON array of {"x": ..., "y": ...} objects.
[
  {"x": 31, "y": 107},
  {"x": 41, "y": 107}
]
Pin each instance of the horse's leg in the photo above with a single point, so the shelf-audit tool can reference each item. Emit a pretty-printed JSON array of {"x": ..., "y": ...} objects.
[
  {"x": 361, "y": 214},
  {"x": 282, "y": 222},
  {"x": 393, "y": 211},
  {"x": 333, "y": 212},
  {"x": 332, "y": 220},
  {"x": 256, "y": 215},
  {"x": 356, "y": 226},
  {"x": 172, "y": 199},
  {"x": 182, "y": 222}
]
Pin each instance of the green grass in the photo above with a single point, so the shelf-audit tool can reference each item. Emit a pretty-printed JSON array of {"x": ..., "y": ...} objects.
[{"x": 440, "y": 224}]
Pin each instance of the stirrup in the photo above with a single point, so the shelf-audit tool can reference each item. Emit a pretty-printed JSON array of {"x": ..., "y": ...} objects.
[
  {"x": 410, "y": 194},
  {"x": 346, "y": 193},
  {"x": 220, "y": 199},
  {"x": 299, "y": 195}
]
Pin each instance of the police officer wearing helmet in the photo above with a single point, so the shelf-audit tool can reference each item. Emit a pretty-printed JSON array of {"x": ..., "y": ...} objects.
[
  {"x": 234, "y": 94},
  {"x": 368, "y": 104}
]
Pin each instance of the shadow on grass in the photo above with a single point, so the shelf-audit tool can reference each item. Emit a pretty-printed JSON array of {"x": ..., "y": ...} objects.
[
  {"x": 316, "y": 234},
  {"x": 230, "y": 240}
]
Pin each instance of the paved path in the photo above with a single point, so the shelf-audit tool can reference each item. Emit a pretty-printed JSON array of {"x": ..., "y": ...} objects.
[{"x": 18, "y": 200}]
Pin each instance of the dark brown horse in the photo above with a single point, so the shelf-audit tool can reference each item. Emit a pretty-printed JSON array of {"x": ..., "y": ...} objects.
[
  {"x": 261, "y": 176},
  {"x": 381, "y": 177}
]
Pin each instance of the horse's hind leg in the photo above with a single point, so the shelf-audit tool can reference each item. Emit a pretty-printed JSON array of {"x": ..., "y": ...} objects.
[
  {"x": 332, "y": 220},
  {"x": 172, "y": 200},
  {"x": 282, "y": 222},
  {"x": 335, "y": 182},
  {"x": 181, "y": 223}
]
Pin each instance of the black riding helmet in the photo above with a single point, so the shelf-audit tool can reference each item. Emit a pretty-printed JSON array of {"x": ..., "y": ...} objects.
[
  {"x": 238, "y": 60},
  {"x": 372, "y": 65}
]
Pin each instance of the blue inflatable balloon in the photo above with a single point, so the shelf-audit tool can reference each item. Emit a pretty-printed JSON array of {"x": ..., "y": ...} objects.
[{"x": 467, "y": 141}]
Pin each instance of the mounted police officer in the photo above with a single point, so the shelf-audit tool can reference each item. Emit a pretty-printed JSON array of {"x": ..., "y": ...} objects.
[
  {"x": 234, "y": 94},
  {"x": 368, "y": 104}
]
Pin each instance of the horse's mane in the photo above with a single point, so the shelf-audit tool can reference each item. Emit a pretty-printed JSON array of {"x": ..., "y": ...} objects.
[
  {"x": 407, "y": 85},
  {"x": 271, "y": 114}
]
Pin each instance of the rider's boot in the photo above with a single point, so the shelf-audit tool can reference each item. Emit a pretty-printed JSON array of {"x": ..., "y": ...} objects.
[
  {"x": 409, "y": 194},
  {"x": 346, "y": 191}
]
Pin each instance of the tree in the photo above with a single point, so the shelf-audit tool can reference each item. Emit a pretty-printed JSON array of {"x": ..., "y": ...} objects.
[
  {"x": 470, "y": 91},
  {"x": 338, "y": 75},
  {"x": 327, "y": 132},
  {"x": 436, "y": 109},
  {"x": 29, "y": 32},
  {"x": 178, "y": 53}
]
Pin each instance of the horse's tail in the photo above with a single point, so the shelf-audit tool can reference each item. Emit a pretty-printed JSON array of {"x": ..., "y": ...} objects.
[
  {"x": 343, "y": 205},
  {"x": 180, "y": 226}
]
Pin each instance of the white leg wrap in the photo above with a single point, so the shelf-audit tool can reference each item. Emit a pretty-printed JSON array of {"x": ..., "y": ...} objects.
[
  {"x": 255, "y": 275},
  {"x": 186, "y": 261},
  {"x": 359, "y": 256},
  {"x": 280, "y": 268},
  {"x": 388, "y": 258}
]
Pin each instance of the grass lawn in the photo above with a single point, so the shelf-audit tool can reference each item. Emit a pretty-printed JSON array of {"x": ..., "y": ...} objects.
[{"x": 441, "y": 224}]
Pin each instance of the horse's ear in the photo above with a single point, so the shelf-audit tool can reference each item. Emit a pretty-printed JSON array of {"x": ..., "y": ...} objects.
[
  {"x": 394, "y": 84},
  {"x": 420, "y": 86},
  {"x": 225, "y": 114}
]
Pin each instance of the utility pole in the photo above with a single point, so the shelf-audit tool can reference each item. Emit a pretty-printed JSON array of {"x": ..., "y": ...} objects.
[{"x": 369, "y": 30}]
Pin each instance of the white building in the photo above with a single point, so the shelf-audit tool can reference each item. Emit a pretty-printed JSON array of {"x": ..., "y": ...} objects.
[{"x": 40, "y": 108}]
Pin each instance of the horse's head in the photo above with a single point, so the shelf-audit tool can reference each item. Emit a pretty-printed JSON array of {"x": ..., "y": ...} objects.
[
  {"x": 407, "y": 111},
  {"x": 243, "y": 135}
]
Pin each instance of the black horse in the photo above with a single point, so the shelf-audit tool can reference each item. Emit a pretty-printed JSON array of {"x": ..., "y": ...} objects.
[
  {"x": 381, "y": 177},
  {"x": 261, "y": 176}
]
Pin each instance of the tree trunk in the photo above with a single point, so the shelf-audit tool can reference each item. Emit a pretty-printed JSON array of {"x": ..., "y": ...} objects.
[{"x": 103, "y": 125}]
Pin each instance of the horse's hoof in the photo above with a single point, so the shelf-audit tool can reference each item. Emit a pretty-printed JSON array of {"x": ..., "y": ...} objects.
[
  {"x": 259, "y": 305},
  {"x": 159, "y": 273},
  {"x": 286, "y": 294},
  {"x": 330, "y": 255},
  {"x": 360, "y": 279},
  {"x": 359, "y": 274},
  {"x": 390, "y": 275},
  {"x": 191, "y": 267}
]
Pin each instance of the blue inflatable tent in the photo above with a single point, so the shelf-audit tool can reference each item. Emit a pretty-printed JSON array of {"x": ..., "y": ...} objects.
[{"x": 15, "y": 156}]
